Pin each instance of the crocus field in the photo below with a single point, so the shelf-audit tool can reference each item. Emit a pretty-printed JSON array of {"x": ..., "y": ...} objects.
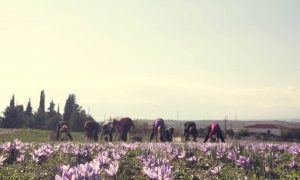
[{"x": 190, "y": 160}]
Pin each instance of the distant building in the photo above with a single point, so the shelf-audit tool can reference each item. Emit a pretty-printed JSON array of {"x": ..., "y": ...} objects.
[{"x": 271, "y": 129}]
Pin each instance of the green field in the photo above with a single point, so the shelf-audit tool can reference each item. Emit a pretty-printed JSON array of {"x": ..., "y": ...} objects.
[
  {"x": 30, "y": 154},
  {"x": 38, "y": 136}
]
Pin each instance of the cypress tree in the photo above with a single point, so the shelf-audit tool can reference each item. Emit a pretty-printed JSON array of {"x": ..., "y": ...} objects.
[
  {"x": 13, "y": 116},
  {"x": 42, "y": 101},
  {"x": 28, "y": 111},
  {"x": 70, "y": 106},
  {"x": 12, "y": 101},
  {"x": 51, "y": 109}
]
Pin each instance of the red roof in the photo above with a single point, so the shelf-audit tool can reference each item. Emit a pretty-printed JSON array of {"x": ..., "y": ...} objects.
[{"x": 267, "y": 126}]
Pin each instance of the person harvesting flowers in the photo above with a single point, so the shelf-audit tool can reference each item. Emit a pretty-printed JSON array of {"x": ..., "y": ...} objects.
[
  {"x": 63, "y": 127},
  {"x": 158, "y": 129},
  {"x": 214, "y": 128},
  {"x": 91, "y": 130},
  {"x": 122, "y": 126}
]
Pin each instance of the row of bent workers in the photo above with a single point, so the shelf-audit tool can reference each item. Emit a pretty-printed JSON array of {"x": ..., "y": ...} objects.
[{"x": 123, "y": 124}]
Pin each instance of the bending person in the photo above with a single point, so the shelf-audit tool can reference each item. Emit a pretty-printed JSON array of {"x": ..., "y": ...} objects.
[
  {"x": 168, "y": 136},
  {"x": 91, "y": 130},
  {"x": 190, "y": 128},
  {"x": 214, "y": 128},
  {"x": 122, "y": 126},
  {"x": 158, "y": 128},
  {"x": 63, "y": 127},
  {"x": 106, "y": 131}
]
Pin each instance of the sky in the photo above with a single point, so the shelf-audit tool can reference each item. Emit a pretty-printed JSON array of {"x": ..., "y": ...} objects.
[{"x": 185, "y": 60}]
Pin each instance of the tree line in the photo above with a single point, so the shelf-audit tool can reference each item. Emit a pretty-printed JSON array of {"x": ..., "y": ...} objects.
[{"x": 15, "y": 116}]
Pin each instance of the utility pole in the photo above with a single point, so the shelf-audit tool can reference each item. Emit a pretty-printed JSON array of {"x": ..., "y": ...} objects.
[
  {"x": 180, "y": 132},
  {"x": 226, "y": 117}
]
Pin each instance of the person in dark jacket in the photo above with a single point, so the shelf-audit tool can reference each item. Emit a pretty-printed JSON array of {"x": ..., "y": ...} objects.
[
  {"x": 214, "y": 128},
  {"x": 91, "y": 130},
  {"x": 190, "y": 128},
  {"x": 63, "y": 127},
  {"x": 106, "y": 131},
  {"x": 168, "y": 135}
]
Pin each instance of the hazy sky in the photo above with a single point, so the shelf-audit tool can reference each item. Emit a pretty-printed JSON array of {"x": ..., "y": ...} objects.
[{"x": 149, "y": 59}]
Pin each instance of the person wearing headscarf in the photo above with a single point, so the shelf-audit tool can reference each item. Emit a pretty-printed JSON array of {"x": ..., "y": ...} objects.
[
  {"x": 63, "y": 127},
  {"x": 168, "y": 136},
  {"x": 91, "y": 130}
]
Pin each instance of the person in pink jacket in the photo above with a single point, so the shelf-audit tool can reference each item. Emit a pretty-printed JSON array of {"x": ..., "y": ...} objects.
[
  {"x": 122, "y": 126},
  {"x": 214, "y": 128}
]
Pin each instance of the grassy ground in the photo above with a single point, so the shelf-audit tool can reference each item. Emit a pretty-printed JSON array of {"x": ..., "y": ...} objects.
[{"x": 35, "y": 135}]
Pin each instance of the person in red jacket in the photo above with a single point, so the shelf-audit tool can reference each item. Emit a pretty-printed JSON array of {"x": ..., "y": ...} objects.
[
  {"x": 214, "y": 128},
  {"x": 122, "y": 126}
]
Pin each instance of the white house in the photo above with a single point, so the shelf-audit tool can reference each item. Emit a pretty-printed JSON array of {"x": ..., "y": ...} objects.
[{"x": 272, "y": 129}]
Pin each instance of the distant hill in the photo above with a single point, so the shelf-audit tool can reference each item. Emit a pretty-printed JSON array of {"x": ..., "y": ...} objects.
[
  {"x": 230, "y": 123},
  {"x": 235, "y": 125}
]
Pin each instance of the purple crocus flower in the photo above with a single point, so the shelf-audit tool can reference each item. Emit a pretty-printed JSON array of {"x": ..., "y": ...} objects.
[
  {"x": 2, "y": 159},
  {"x": 34, "y": 159},
  {"x": 165, "y": 172},
  {"x": 116, "y": 156},
  {"x": 83, "y": 168},
  {"x": 7, "y": 146},
  {"x": 64, "y": 168},
  {"x": 149, "y": 162},
  {"x": 113, "y": 169},
  {"x": 83, "y": 153},
  {"x": 161, "y": 161},
  {"x": 193, "y": 159},
  {"x": 38, "y": 152},
  {"x": 21, "y": 158},
  {"x": 216, "y": 170},
  {"x": 294, "y": 164},
  {"x": 181, "y": 155},
  {"x": 71, "y": 175},
  {"x": 150, "y": 172},
  {"x": 245, "y": 162},
  {"x": 158, "y": 173},
  {"x": 103, "y": 159},
  {"x": 275, "y": 156},
  {"x": 232, "y": 155}
]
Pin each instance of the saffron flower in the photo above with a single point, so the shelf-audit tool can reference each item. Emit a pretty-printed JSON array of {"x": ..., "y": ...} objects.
[
  {"x": 113, "y": 169},
  {"x": 193, "y": 159},
  {"x": 2, "y": 159},
  {"x": 216, "y": 170},
  {"x": 294, "y": 164},
  {"x": 21, "y": 158}
]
